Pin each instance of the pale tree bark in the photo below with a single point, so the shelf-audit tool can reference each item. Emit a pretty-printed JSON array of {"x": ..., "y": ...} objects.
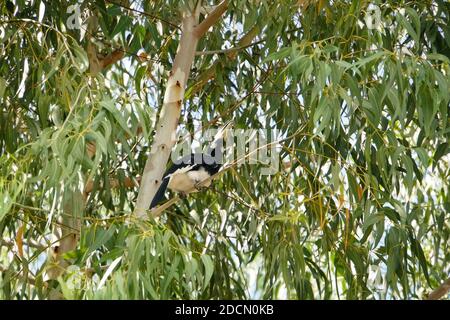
[{"x": 166, "y": 127}]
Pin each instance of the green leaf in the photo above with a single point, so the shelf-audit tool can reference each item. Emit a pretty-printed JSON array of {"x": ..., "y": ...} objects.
[
  {"x": 423, "y": 156},
  {"x": 371, "y": 220},
  {"x": 2, "y": 87},
  {"x": 335, "y": 179},
  {"x": 441, "y": 151},
  {"x": 444, "y": 85},
  {"x": 110, "y": 106},
  {"x": 368, "y": 59},
  {"x": 209, "y": 269},
  {"x": 416, "y": 248},
  {"x": 280, "y": 54},
  {"x": 101, "y": 237},
  {"x": 140, "y": 73},
  {"x": 108, "y": 272},
  {"x": 439, "y": 57},
  {"x": 322, "y": 115},
  {"x": 409, "y": 179},
  {"x": 412, "y": 32}
]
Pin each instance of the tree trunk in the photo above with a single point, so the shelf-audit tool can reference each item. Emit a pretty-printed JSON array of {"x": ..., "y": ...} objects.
[{"x": 165, "y": 136}]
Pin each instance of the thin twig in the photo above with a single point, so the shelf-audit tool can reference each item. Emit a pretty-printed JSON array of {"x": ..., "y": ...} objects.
[
  {"x": 145, "y": 14},
  {"x": 156, "y": 212},
  {"x": 224, "y": 51},
  {"x": 10, "y": 244}
]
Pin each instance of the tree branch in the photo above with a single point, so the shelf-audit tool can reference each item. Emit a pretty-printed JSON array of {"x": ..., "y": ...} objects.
[
  {"x": 170, "y": 114},
  {"x": 156, "y": 212},
  {"x": 114, "y": 183},
  {"x": 211, "y": 19},
  {"x": 68, "y": 234},
  {"x": 165, "y": 135},
  {"x": 147, "y": 14},
  {"x": 98, "y": 62},
  {"x": 210, "y": 73},
  {"x": 112, "y": 58},
  {"x": 32, "y": 244},
  {"x": 441, "y": 291},
  {"x": 227, "y": 51}
]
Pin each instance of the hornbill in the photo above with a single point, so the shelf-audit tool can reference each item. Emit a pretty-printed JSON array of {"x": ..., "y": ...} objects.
[{"x": 185, "y": 173}]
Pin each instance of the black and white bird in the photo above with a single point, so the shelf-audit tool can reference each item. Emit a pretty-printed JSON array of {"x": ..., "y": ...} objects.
[{"x": 186, "y": 173}]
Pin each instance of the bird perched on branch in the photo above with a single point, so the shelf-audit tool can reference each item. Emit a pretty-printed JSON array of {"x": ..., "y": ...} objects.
[{"x": 185, "y": 175}]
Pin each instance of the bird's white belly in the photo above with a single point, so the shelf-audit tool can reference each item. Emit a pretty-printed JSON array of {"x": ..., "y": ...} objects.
[{"x": 185, "y": 181}]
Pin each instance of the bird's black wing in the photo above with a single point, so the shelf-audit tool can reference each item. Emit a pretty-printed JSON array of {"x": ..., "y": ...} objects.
[
  {"x": 160, "y": 193},
  {"x": 189, "y": 160}
]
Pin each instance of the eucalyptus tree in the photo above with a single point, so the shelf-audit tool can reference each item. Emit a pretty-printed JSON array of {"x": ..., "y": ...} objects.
[{"x": 357, "y": 93}]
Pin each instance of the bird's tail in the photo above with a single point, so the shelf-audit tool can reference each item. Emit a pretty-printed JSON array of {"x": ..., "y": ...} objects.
[{"x": 160, "y": 193}]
